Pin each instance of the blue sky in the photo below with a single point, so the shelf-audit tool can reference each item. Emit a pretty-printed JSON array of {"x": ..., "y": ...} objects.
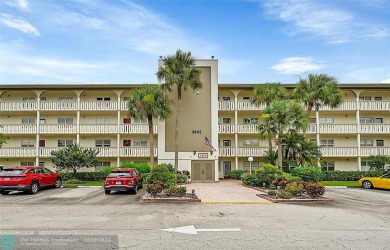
[{"x": 255, "y": 41}]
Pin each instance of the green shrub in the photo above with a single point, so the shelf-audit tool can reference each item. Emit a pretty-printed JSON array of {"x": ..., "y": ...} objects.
[
  {"x": 181, "y": 178},
  {"x": 74, "y": 181},
  {"x": 281, "y": 182},
  {"x": 272, "y": 192},
  {"x": 127, "y": 164},
  {"x": 159, "y": 173},
  {"x": 83, "y": 176},
  {"x": 154, "y": 189},
  {"x": 176, "y": 190},
  {"x": 285, "y": 194},
  {"x": 142, "y": 168},
  {"x": 236, "y": 174},
  {"x": 107, "y": 170},
  {"x": 249, "y": 180},
  {"x": 291, "y": 177},
  {"x": 310, "y": 174},
  {"x": 267, "y": 173},
  {"x": 315, "y": 190},
  {"x": 348, "y": 175}
]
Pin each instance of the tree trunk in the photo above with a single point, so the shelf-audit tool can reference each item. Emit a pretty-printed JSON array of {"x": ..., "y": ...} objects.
[
  {"x": 177, "y": 129},
  {"x": 151, "y": 141},
  {"x": 280, "y": 156}
]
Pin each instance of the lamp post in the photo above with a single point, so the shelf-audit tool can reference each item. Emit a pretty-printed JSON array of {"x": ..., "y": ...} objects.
[{"x": 250, "y": 159}]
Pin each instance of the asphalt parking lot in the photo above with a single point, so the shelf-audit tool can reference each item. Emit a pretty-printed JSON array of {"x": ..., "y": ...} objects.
[{"x": 358, "y": 219}]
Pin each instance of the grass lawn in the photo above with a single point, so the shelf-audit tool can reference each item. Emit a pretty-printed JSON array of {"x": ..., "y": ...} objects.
[
  {"x": 340, "y": 183},
  {"x": 72, "y": 184}
]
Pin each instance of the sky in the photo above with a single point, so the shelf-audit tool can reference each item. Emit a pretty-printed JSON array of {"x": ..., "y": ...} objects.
[{"x": 255, "y": 41}]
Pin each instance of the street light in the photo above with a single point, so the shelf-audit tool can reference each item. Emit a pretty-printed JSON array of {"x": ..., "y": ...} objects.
[{"x": 250, "y": 159}]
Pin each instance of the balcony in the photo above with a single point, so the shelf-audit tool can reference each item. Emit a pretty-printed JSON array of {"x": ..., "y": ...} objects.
[
  {"x": 98, "y": 129},
  {"x": 58, "y": 106},
  {"x": 338, "y": 128},
  {"x": 247, "y": 105},
  {"x": 57, "y": 129},
  {"x": 135, "y": 152},
  {"x": 18, "y": 129},
  {"x": 226, "y": 105},
  {"x": 374, "y": 105},
  {"x": 94, "y": 106},
  {"x": 247, "y": 129},
  {"x": 226, "y": 129},
  {"x": 375, "y": 128},
  {"x": 17, "y": 152},
  {"x": 367, "y": 151},
  {"x": 347, "y": 105},
  {"x": 339, "y": 151},
  {"x": 136, "y": 129},
  {"x": 18, "y": 106},
  {"x": 242, "y": 151}
]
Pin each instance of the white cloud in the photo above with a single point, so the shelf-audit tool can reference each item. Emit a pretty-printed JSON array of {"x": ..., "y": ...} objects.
[
  {"x": 19, "y": 24},
  {"x": 386, "y": 81},
  {"x": 20, "y": 4},
  {"x": 297, "y": 65},
  {"x": 366, "y": 74},
  {"x": 316, "y": 17}
]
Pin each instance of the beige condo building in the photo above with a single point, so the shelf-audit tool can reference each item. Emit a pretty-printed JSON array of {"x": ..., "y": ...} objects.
[{"x": 40, "y": 118}]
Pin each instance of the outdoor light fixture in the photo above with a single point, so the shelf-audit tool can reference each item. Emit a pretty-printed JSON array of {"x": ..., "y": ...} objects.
[
  {"x": 211, "y": 152},
  {"x": 250, "y": 159},
  {"x": 194, "y": 152}
]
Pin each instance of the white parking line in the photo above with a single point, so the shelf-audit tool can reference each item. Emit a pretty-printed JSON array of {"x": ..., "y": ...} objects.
[
  {"x": 38, "y": 195},
  {"x": 88, "y": 196}
]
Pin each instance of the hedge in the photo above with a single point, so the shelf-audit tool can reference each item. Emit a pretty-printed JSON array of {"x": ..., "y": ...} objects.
[
  {"x": 84, "y": 176},
  {"x": 348, "y": 175}
]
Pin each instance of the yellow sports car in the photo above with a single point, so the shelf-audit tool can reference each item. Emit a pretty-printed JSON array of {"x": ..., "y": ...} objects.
[{"x": 376, "y": 182}]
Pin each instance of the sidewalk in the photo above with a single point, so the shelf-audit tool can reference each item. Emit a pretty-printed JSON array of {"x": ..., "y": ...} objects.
[{"x": 226, "y": 192}]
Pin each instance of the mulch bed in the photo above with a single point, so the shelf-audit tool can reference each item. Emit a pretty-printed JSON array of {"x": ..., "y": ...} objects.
[
  {"x": 164, "y": 198},
  {"x": 298, "y": 199}
]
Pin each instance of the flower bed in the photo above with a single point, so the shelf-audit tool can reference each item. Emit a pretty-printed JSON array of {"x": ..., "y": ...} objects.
[{"x": 164, "y": 197}]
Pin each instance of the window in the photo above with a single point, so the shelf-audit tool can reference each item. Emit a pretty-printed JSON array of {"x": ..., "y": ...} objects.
[
  {"x": 42, "y": 99},
  {"x": 42, "y": 121},
  {"x": 126, "y": 143},
  {"x": 46, "y": 171},
  {"x": 29, "y": 99},
  {"x": 369, "y": 120},
  {"x": 366, "y": 143},
  {"x": 255, "y": 165},
  {"x": 28, "y": 143},
  {"x": 103, "y": 143},
  {"x": 378, "y": 98},
  {"x": 327, "y": 143},
  {"x": 226, "y": 120},
  {"x": 226, "y": 98},
  {"x": 365, "y": 98},
  {"x": 248, "y": 143},
  {"x": 64, "y": 143},
  {"x": 328, "y": 166},
  {"x": 104, "y": 164},
  {"x": 380, "y": 143},
  {"x": 27, "y": 163},
  {"x": 65, "y": 99},
  {"x": 140, "y": 121},
  {"x": 246, "y": 98},
  {"x": 126, "y": 120},
  {"x": 227, "y": 143},
  {"x": 313, "y": 120},
  {"x": 65, "y": 120},
  {"x": 126, "y": 98},
  {"x": 326, "y": 120},
  {"x": 251, "y": 120},
  {"x": 364, "y": 165},
  {"x": 28, "y": 120},
  {"x": 140, "y": 143},
  {"x": 103, "y": 99},
  {"x": 103, "y": 120}
]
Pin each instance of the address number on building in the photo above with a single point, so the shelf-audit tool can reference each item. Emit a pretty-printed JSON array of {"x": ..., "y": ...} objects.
[{"x": 203, "y": 155}]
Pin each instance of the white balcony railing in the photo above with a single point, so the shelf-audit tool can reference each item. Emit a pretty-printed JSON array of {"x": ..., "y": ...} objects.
[
  {"x": 374, "y": 105},
  {"x": 252, "y": 151},
  {"x": 248, "y": 129},
  {"x": 338, "y": 128},
  {"x": 107, "y": 151},
  {"x": 136, "y": 128},
  {"x": 339, "y": 151},
  {"x": 17, "y": 152},
  {"x": 58, "y": 106},
  {"x": 18, "y": 106},
  {"x": 57, "y": 128},
  {"x": 18, "y": 129},
  {"x": 226, "y": 105},
  {"x": 138, "y": 152},
  {"x": 98, "y": 128},
  {"x": 347, "y": 105},
  {"x": 375, "y": 128},
  {"x": 247, "y": 105},
  {"x": 98, "y": 105},
  {"x": 367, "y": 151},
  {"x": 226, "y": 129},
  {"x": 227, "y": 152}
]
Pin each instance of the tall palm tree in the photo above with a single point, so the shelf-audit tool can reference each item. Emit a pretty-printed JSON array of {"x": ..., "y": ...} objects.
[
  {"x": 318, "y": 90},
  {"x": 286, "y": 116},
  {"x": 179, "y": 71},
  {"x": 265, "y": 94},
  {"x": 149, "y": 101}
]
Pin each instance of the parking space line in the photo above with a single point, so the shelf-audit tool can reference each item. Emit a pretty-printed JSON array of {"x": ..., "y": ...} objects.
[
  {"x": 39, "y": 195},
  {"x": 86, "y": 197}
]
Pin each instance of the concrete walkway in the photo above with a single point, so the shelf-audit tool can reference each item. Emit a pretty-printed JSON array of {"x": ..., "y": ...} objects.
[{"x": 226, "y": 192}]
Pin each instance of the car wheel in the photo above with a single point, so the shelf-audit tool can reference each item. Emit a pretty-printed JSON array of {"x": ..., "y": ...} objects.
[
  {"x": 34, "y": 187},
  {"x": 135, "y": 190},
  {"x": 107, "y": 192},
  {"x": 4, "y": 192},
  {"x": 58, "y": 183},
  {"x": 367, "y": 184}
]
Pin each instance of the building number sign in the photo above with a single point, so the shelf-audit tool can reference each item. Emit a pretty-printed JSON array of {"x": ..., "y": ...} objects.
[{"x": 197, "y": 132}]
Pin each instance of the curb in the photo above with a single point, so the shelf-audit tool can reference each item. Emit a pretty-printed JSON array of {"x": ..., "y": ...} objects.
[{"x": 237, "y": 203}]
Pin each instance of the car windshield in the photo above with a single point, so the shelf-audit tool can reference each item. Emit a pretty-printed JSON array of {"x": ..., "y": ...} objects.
[
  {"x": 12, "y": 171},
  {"x": 120, "y": 173}
]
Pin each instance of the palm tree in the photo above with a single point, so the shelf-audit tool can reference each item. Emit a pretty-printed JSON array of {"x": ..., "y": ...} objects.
[
  {"x": 179, "y": 71},
  {"x": 149, "y": 101},
  {"x": 318, "y": 90},
  {"x": 286, "y": 116}
]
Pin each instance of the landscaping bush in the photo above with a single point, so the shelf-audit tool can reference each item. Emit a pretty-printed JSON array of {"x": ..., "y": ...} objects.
[
  {"x": 314, "y": 190},
  {"x": 296, "y": 188},
  {"x": 83, "y": 176},
  {"x": 348, "y": 175},
  {"x": 175, "y": 190},
  {"x": 159, "y": 173},
  {"x": 74, "y": 181},
  {"x": 310, "y": 174},
  {"x": 181, "y": 178},
  {"x": 281, "y": 182},
  {"x": 127, "y": 165},
  {"x": 142, "y": 168},
  {"x": 290, "y": 177},
  {"x": 266, "y": 174},
  {"x": 154, "y": 189},
  {"x": 107, "y": 170},
  {"x": 285, "y": 194},
  {"x": 236, "y": 174},
  {"x": 272, "y": 192},
  {"x": 249, "y": 180}
]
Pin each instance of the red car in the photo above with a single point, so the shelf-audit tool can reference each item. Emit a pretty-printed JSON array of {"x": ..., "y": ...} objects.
[
  {"x": 123, "y": 179},
  {"x": 27, "y": 179}
]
